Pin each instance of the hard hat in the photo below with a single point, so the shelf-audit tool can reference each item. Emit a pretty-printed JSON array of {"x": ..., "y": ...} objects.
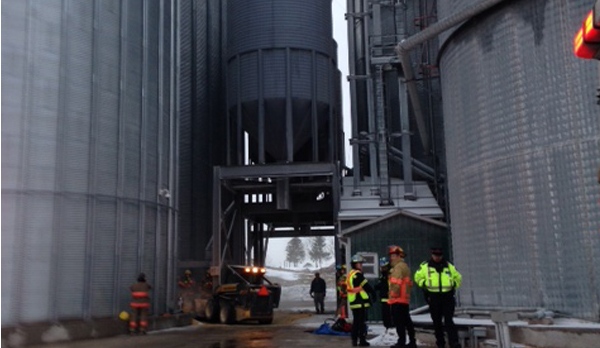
[
  {"x": 124, "y": 315},
  {"x": 187, "y": 271},
  {"x": 383, "y": 261},
  {"x": 394, "y": 249},
  {"x": 357, "y": 259}
]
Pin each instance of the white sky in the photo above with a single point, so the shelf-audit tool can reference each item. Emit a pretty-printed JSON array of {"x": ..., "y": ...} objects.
[{"x": 340, "y": 34}]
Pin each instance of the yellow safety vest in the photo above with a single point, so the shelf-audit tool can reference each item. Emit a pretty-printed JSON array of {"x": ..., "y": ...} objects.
[
  {"x": 352, "y": 291},
  {"x": 429, "y": 278}
]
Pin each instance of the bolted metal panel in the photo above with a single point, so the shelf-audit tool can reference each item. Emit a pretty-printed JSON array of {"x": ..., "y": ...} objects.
[
  {"x": 80, "y": 142},
  {"x": 269, "y": 24},
  {"x": 102, "y": 269},
  {"x": 523, "y": 143},
  {"x": 69, "y": 269},
  {"x": 185, "y": 80}
]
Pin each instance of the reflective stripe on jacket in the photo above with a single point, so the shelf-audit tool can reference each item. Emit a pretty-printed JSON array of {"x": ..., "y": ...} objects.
[
  {"x": 429, "y": 278},
  {"x": 352, "y": 290},
  {"x": 140, "y": 295},
  {"x": 400, "y": 283}
]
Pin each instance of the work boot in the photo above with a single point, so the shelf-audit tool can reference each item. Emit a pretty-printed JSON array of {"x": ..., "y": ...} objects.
[{"x": 412, "y": 344}]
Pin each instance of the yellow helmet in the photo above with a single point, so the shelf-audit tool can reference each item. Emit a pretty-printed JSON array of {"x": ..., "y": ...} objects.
[{"x": 124, "y": 315}]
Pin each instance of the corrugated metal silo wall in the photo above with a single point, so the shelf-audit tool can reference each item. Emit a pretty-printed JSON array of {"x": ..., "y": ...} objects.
[
  {"x": 523, "y": 146},
  {"x": 86, "y": 144},
  {"x": 414, "y": 235},
  {"x": 282, "y": 58},
  {"x": 201, "y": 137}
]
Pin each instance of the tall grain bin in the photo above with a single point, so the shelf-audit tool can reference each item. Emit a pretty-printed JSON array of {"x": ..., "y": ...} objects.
[
  {"x": 282, "y": 82},
  {"x": 88, "y": 156},
  {"x": 201, "y": 137},
  {"x": 523, "y": 147}
]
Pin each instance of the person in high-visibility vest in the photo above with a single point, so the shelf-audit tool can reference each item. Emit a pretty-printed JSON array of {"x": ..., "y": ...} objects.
[
  {"x": 382, "y": 287},
  {"x": 140, "y": 304},
  {"x": 360, "y": 294},
  {"x": 399, "y": 297},
  {"x": 439, "y": 279}
]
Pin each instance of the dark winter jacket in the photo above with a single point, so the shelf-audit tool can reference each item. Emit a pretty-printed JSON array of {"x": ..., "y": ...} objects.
[{"x": 318, "y": 285}]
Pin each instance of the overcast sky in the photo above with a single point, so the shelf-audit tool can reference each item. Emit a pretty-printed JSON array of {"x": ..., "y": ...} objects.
[{"x": 340, "y": 34}]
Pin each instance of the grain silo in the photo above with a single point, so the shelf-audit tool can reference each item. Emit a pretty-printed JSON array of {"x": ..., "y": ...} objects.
[
  {"x": 283, "y": 82},
  {"x": 523, "y": 149},
  {"x": 88, "y": 165}
]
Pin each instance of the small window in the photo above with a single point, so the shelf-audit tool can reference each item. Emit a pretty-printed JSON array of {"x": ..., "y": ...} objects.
[{"x": 371, "y": 265}]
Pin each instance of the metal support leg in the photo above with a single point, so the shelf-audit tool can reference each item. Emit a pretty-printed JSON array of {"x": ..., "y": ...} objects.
[{"x": 501, "y": 320}]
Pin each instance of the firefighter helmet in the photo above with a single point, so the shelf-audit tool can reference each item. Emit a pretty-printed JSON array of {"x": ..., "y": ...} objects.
[
  {"x": 394, "y": 249},
  {"x": 124, "y": 315},
  {"x": 357, "y": 259},
  {"x": 187, "y": 272},
  {"x": 383, "y": 261}
]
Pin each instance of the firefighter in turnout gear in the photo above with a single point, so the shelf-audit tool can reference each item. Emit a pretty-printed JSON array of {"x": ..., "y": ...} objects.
[
  {"x": 342, "y": 295},
  {"x": 187, "y": 286},
  {"x": 360, "y": 295},
  {"x": 382, "y": 288},
  {"x": 140, "y": 303},
  {"x": 439, "y": 279},
  {"x": 399, "y": 297}
]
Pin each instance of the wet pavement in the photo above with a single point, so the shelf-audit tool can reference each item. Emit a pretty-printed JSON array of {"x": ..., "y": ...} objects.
[{"x": 288, "y": 330}]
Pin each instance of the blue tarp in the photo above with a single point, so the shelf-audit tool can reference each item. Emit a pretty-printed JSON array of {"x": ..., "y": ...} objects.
[{"x": 325, "y": 329}]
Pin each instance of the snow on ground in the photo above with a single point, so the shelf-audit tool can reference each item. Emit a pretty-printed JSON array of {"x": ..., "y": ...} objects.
[
  {"x": 295, "y": 287},
  {"x": 274, "y": 273}
]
